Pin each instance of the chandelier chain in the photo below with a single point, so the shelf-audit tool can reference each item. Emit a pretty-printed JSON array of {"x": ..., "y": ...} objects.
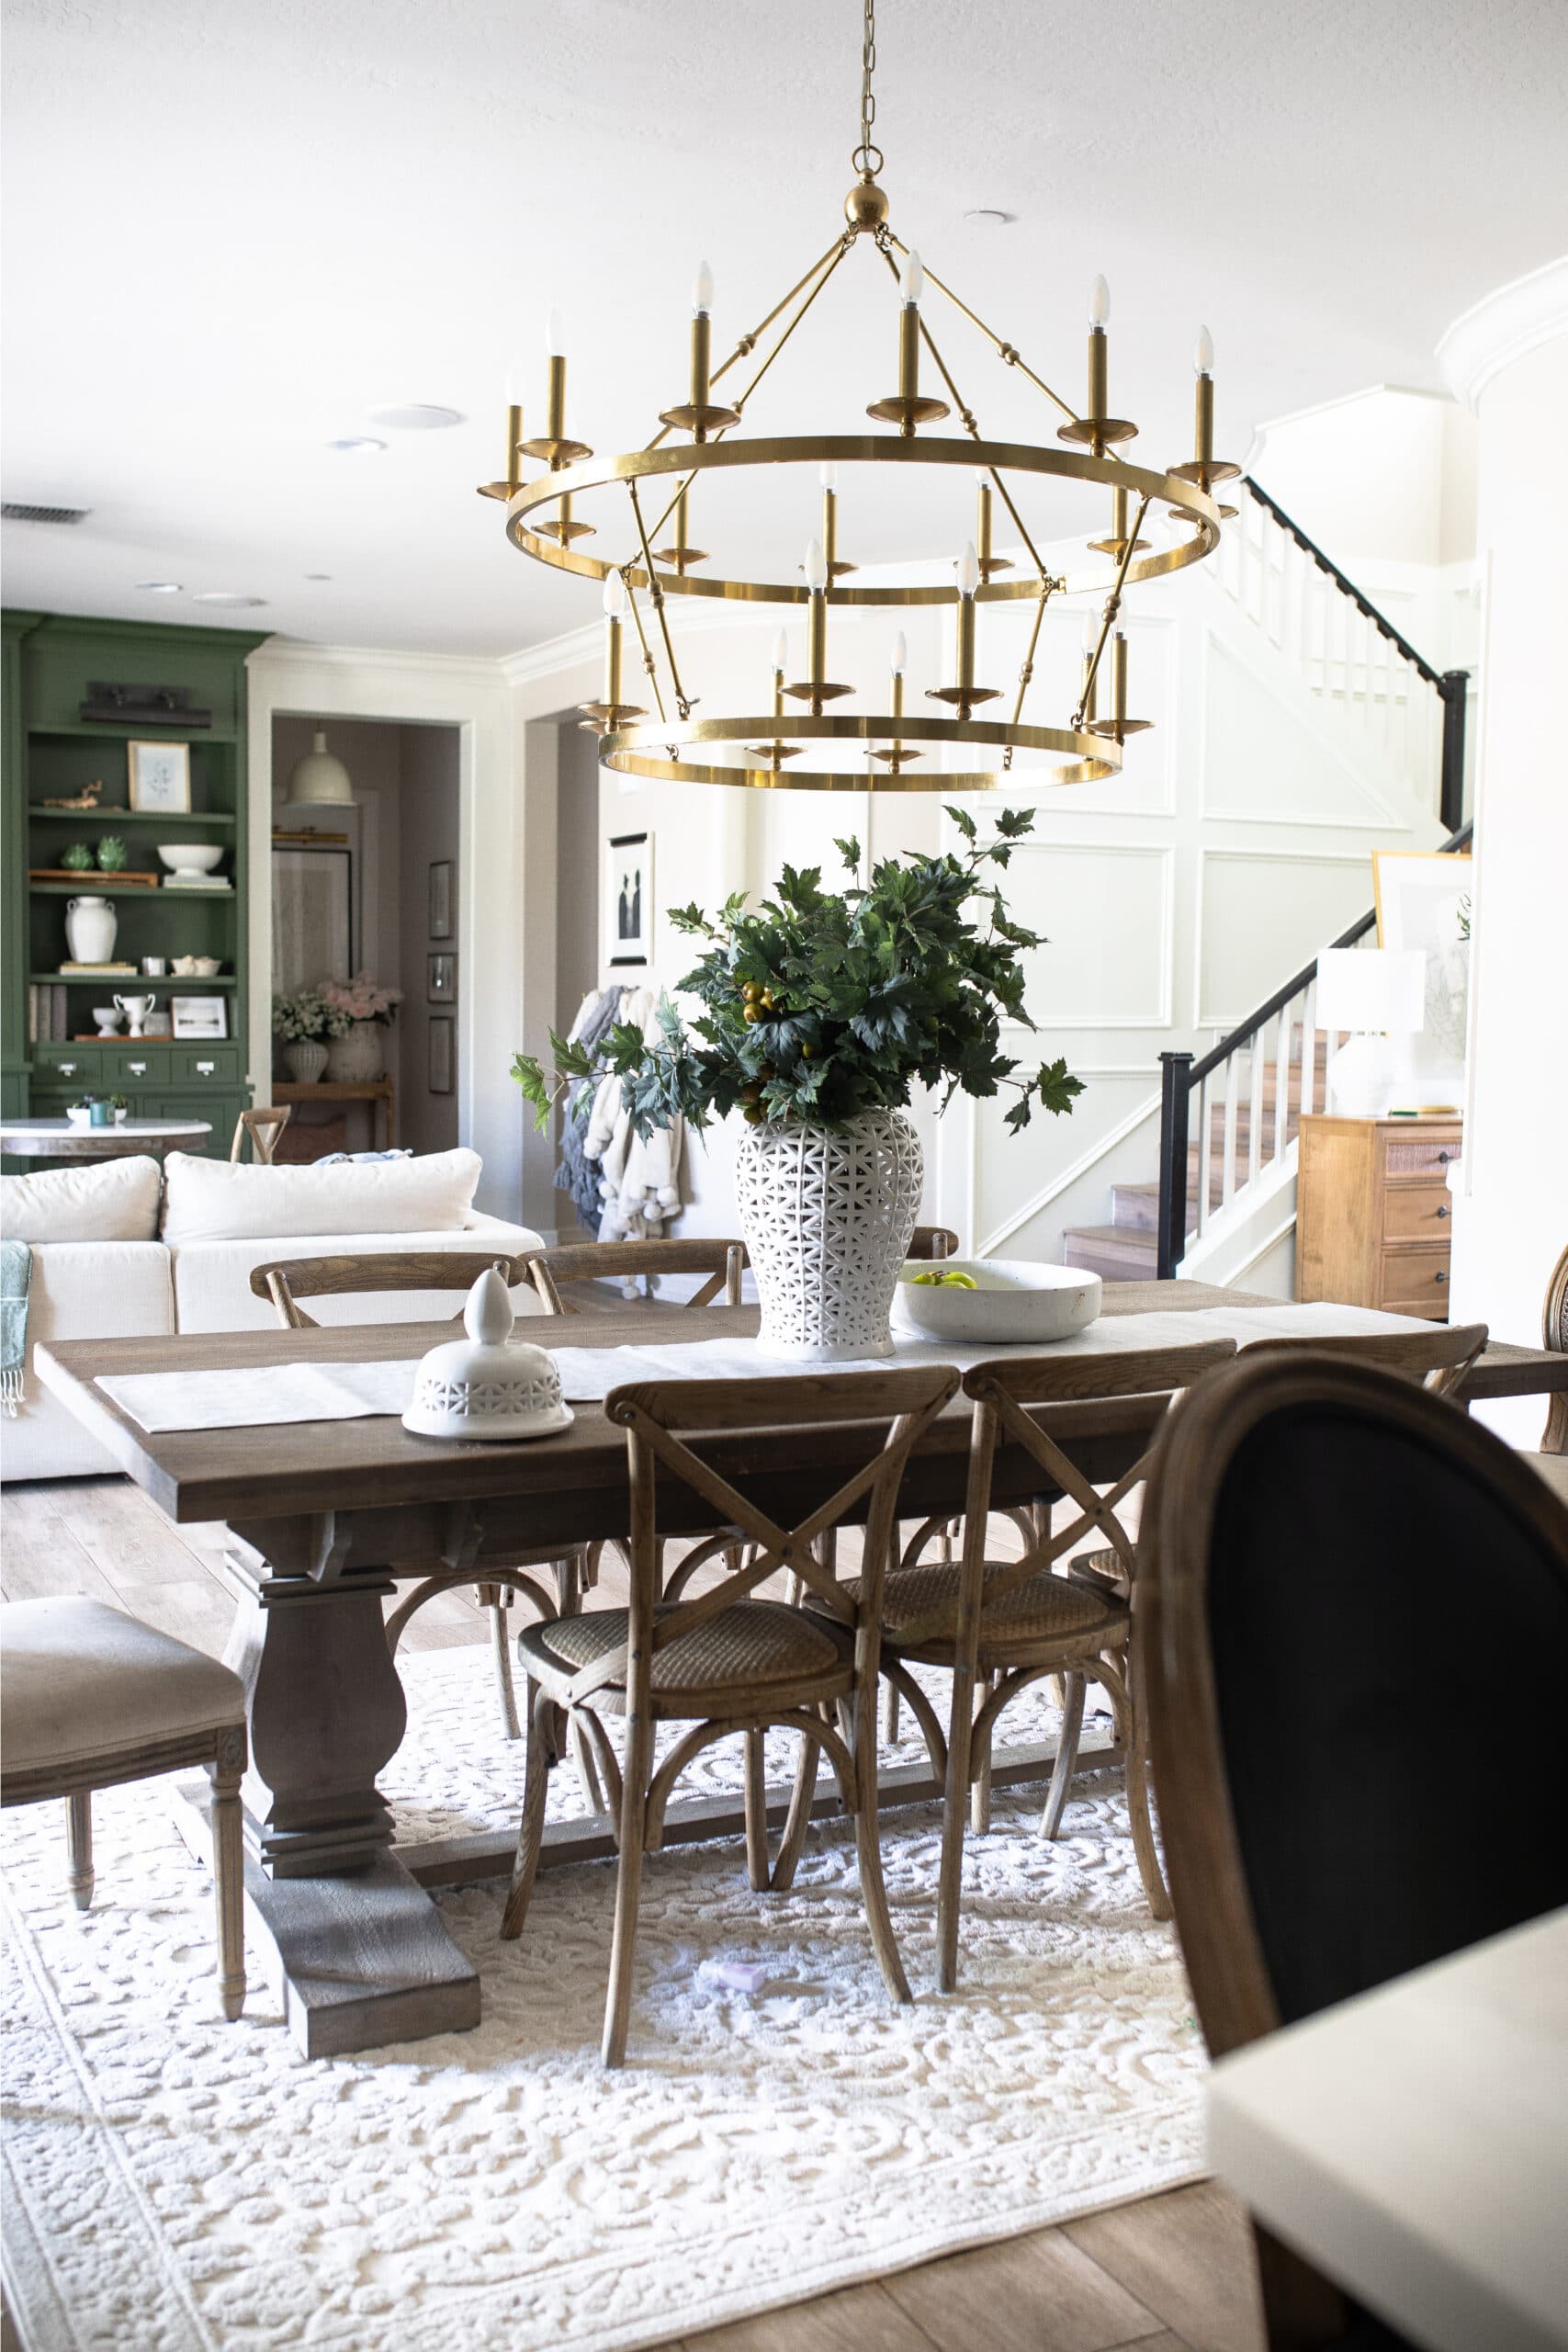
[{"x": 862, "y": 157}]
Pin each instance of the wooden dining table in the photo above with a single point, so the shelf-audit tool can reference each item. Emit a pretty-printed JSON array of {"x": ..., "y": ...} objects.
[{"x": 326, "y": 1519}]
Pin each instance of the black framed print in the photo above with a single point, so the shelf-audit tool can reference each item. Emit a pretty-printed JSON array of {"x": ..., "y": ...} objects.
[
  {"x": 628, "y": 898},
  {"x": 440, "y": 1058}
]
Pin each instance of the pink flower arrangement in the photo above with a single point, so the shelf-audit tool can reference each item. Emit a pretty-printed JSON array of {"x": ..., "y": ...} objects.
[{"x": 360, "y": 998}]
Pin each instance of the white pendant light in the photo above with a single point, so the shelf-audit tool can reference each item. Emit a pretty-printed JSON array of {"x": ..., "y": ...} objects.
[{"x": 321, "y": 775}]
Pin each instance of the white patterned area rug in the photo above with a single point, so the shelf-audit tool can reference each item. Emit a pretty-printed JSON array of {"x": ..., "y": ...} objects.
[{"x": 177, "y": 2185}]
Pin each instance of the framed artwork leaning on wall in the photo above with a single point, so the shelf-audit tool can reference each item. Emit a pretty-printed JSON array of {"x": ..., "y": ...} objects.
[{"x": 1424, "y": 902}]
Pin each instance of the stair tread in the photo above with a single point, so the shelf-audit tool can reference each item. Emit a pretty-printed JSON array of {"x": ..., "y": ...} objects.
[{"x": 1133, "y": 1239}]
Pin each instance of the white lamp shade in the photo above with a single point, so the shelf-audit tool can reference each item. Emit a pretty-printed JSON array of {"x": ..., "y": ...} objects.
[
  {"x": 321, "y": 775},
  {"x": 1372, "y": 989}
]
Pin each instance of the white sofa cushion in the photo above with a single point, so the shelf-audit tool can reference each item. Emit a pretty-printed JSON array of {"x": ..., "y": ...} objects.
[
  {"x": 80, "y": 1290},
  {"x": 98, "y": 1199},
  {"x": 212, "y": 1279},
  {"x": 209, "y": 1200}
]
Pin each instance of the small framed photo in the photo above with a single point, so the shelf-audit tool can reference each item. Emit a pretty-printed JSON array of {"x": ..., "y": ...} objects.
[
  {"x": 440, "y": 1058},
  {"x": 440, "y": 979},
  {"x": 199, "y": 1016},
  {"x": 628, "y": 898},
  {"x": 441, "y": 898},
  {"x": 160, "y": 778}
]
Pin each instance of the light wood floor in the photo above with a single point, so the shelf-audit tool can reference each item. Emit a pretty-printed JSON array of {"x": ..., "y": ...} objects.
[{"x": 1169, "y": 2272}]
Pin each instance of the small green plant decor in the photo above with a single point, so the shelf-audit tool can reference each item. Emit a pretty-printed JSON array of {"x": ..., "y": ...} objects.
[{"x": 822, "y": 1005}]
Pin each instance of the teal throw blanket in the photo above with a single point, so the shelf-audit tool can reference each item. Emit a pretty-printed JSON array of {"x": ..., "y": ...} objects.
[{"x": 15, "y": 1276}]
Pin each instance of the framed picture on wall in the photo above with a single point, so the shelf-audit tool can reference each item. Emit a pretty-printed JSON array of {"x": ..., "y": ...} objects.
[
  {"x": 441, "y": 898},
  {"x": 440, "y": 1056},
  {"x": 628, "y": 898},
  {"x": 312, "y": 915},
  {"x": 159, "y": 778},
  {"x": 440, "y": 979},
  {"x": 1424, "y": 902}
]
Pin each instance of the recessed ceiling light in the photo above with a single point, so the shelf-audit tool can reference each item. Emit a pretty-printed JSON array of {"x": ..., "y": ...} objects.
[
  {"x": 158, "y": 587},
  {"x": 225, "y": 596},
  {"x": 357, "y": 444},
  {"x": 414, "y": 416},
  {"x": 318, "y": 575},
  {"x": 987, "y": 216}
]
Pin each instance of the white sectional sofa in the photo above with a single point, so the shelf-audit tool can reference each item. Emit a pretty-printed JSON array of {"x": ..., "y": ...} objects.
[{"x": 122, "y": 1248}]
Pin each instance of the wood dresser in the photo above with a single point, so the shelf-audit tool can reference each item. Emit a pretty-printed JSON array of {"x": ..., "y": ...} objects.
[{"x": 1374, "y": 1212}]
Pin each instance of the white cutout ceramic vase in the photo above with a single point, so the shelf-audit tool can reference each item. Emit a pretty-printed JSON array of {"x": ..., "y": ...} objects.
[
  {"x": 355, "y": 1058},
  {"x": 826, "y": 1219},
  {"x": 304, "y": 1060}
]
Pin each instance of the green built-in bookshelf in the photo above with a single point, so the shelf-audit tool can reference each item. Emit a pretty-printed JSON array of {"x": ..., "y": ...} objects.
[{"x": 50, "y": 1054}]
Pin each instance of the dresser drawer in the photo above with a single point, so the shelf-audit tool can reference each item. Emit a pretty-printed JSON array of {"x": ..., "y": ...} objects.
[
  {"x": 1416, "y": 1212},
  {"x": 1415, "y": 1281},
  {"x": 67, "y": 1065},
  {"x": 204, "y": 1066},
  {"x": 159, "y": 1063},
  {"x": 1423, "y": 1154}
]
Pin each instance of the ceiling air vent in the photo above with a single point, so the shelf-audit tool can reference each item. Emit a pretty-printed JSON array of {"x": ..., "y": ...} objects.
[{"x": 15, "y": 510}]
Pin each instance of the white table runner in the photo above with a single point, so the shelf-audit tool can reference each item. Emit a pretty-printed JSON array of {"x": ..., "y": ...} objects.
[{"x": 262, "y": 1394}]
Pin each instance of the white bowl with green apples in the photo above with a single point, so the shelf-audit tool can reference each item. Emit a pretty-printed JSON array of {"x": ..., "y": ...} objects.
[{"x": 981, "y": 1301}]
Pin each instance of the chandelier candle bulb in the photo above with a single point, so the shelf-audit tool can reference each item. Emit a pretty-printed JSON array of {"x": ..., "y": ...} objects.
[
  {"x": 555, "y": 425},
  {"x": 513, "y": 471},
  {"x": 1118, "y": 679},
  {"x": 911, "y": 284},
  {"x": 830, "y": 479},
  {"x": 983, "y": 523},
  {"x": 968, "y": 575},
  {"x": 1089, "y": 695},
  {"x": 615, "y": 618},
  {"x": 817, "y": 630},
  {"x": 1203, "y": 434}
]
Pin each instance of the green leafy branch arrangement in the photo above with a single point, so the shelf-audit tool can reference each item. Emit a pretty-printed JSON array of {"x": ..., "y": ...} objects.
[{"x": 822, "y": 1005}]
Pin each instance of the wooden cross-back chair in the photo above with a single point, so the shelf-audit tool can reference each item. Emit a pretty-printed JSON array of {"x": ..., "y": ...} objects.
[
  {"x": 1323, "y": 1548},
  {"x": 1554, "y": 1337},
  {"x": 721, "y": 1660},
  {"x": 264, "y": 1125},
  {"x": 1005, "y": 1624},
  {"x": 722, "y": 1261},
  {"x": 1438, "y": 1355},
  {"x": 286, "y": 1281}
]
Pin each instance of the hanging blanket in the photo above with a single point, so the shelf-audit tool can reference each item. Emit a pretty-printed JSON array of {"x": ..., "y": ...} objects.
[
  {"x": 580, "y": 1173},
  {"x": 15, "y": 1277}
]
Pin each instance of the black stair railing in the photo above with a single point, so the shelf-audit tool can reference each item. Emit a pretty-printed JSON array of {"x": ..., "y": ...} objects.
[
  {"x": 1451, "y": 686},
  {"x": 1182, "y": 1074}
]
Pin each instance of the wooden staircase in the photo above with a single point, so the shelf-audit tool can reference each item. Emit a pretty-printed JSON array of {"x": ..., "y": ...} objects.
[{"x": 1126, "y": 1250}]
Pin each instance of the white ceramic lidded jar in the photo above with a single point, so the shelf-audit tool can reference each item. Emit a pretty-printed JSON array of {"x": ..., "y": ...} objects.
[
  {"x": 489, "y": 1385},
  {"x": 90, "y": 928}
]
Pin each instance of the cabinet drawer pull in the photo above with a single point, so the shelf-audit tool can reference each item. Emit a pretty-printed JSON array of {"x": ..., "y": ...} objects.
[
  {"x": 1443, "y": 1159},
  {"x": 137, "y": 1070},
  {"x": 1440, "y": 1276},
  {"x": 1443, "y": 1209},
  {"x": 66, "y": 1070},
  {"x": 205, "y": 1070}
]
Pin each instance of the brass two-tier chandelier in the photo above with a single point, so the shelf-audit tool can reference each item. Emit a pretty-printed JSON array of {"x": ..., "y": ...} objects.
[{"x": 701, "y": 443}]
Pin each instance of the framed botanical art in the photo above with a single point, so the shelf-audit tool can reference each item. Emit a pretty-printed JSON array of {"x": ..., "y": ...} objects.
[
  {"x": 440, "y": 913},
  {"x": 159, "y": 778},
  {"x": 1424, "y": 902},
  {"x": 440, "y": 977},
  {"x": 441, "y": 1058},
  {"x": 628, "y": 898}
]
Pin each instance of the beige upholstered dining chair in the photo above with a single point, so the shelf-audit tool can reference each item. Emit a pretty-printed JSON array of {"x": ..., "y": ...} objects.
[
  {"x": 1004, "y": 1624},
  {"x": 264, "y": 1125},
  {"x": 285, "y": 1282},
  {"x": 554, "y": 1272},
  {"x": 720, "y": 1661},
  {"x": 90, "y": 1698}
]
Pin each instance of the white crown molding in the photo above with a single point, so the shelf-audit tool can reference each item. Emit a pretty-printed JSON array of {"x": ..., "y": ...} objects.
[
  {"x": 532, "y": 663},
  {"x": 295, "y": 652},
  {"x": 1503, "y": 326}
]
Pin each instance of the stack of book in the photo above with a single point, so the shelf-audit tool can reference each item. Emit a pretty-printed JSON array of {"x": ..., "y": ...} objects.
[
  {"x": 47, "y": 1021},
  {"x": 221, "y": 882}
]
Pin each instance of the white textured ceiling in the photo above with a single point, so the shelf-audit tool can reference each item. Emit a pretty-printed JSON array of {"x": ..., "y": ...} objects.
[{"x": 234, "y": 224}]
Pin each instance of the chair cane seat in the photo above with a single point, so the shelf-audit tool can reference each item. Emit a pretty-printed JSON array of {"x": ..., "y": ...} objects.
[
  {"x": 1046, "y": 1608},
  {"x": 755, "y": 1643},
  {"x": 79, "y": 1680}
]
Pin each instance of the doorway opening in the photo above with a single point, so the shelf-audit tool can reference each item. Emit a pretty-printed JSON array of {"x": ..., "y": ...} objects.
[{"x": 370, "y": 884}]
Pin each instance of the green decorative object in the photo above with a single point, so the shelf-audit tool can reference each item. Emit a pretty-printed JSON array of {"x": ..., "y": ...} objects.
[
  {"x": 111, "y": 854},
  {"x": 77, "y": 859}
]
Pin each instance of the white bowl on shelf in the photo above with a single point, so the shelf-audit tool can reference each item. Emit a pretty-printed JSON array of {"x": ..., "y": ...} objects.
[
  {"x": 1013, "y": 1299},
  {"x": 190, "y": 857}
]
